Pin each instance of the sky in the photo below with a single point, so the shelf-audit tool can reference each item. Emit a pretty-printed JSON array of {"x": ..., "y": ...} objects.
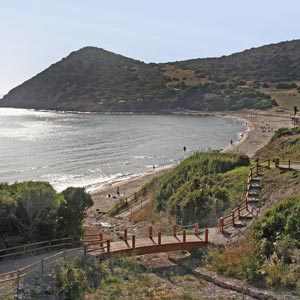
[{"x": 37, "y": 33}]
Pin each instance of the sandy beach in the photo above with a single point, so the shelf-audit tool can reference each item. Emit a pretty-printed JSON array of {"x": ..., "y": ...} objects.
[
  {"x": 105, "y": 197},
  {"x": 261, "y": 125}
]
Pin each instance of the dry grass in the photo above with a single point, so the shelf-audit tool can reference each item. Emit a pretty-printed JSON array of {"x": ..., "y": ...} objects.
[
  {"x": 187, "y": 76},
  {"x": 162, "y": 221},
  {"x": 285, "y": 98}
]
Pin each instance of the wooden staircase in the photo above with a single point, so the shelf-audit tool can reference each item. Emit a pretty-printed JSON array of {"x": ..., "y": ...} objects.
[{"x": 247, "y": 209}]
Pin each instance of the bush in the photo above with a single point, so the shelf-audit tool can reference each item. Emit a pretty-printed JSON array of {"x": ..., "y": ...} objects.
[
  {"x": 35, "y": 212},
  {"x": 286, "y": 86},
  {"x": 192, "y": 192}
]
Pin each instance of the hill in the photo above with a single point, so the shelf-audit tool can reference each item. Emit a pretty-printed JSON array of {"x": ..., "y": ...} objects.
[
  {"x": 93, "y": 79},
  {"x": 89, "y": 79},
  {"x": 271, "y": 63}
]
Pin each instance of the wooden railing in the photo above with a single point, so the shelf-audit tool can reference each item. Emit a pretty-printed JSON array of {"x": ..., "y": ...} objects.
[
  {"x": 41, "y": 267},
  {"x": 125, "y": 203},
  {"x": 230, "y": 219},
  {"x": 287, "y": 163},
  {"x": 234, "y": 216},
  {"x": 96, "y": 243},
  {"x": 104, "y": 246},
  {"x": 39, "y": 246},
  {"x": 48, "y": 246}
]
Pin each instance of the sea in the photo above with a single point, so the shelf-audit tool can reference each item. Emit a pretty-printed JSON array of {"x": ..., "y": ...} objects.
[{"x": 93, "y": 150}]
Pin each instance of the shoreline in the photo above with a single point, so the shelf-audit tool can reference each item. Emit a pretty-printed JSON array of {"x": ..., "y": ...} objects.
[
  {"x": 260, "y": 126},
  {"x": 105, "y": 197}
]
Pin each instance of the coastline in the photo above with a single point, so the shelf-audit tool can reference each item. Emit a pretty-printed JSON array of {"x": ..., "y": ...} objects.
[
  {"x": 261, "y": 125},
  {"x": 105, "y": 197}
]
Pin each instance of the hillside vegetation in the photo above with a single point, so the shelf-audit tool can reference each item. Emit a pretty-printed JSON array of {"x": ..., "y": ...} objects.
[
  {"x": 285, "y": 144},
  {"x": 92, "y": 79},
  {"x": 270, "y": 63},
  {"x": 269, "y": 253},
  {"x": 201, "y": 188},
  {"x": 34, "y": 211}
]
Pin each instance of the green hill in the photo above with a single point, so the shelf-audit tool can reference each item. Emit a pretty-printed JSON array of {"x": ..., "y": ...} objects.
[
  {"x": 272, "y": 63},
  {"x": 92, "y": 79}
]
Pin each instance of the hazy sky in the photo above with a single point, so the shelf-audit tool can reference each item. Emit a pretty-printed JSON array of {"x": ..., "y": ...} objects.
[{"x": 37, "y": 33}]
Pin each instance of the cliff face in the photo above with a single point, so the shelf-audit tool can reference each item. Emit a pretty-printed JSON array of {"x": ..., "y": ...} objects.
[{"x": 92, "y": 79}]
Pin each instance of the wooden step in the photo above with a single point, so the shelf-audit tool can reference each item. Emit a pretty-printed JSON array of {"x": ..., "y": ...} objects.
[
  {"x": 238, "y": 224},
  {"x": 252, "y": 201},
  {"x": 256, "y": 179},
  {"x": 245, "y": 217},
  {"x": 255, "y": 186},
  {"x": 253, "y": 195}
]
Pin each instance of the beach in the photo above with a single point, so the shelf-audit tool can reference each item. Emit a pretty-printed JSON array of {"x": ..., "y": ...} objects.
[
  {"x": 261, "y": 125},
  {"x": 105, "y": 198}
]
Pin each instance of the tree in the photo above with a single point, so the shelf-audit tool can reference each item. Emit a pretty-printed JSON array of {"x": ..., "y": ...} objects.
[
  {"x": 72, "y": 211},
  {"x": 35, "y": 215},
  {"x": 7, "y": 209}
]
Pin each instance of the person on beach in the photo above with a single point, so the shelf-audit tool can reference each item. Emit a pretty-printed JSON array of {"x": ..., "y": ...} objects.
[
  {"x": 118, "y": 191},
  {"x": 184, "y": 148},
  {"x": 231, "y": 142}
]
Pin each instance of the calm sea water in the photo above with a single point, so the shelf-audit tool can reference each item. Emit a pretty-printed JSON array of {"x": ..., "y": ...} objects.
[{"x": 91, "y": 150}]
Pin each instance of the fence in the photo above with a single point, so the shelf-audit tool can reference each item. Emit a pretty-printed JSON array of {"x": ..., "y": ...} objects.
[
  {"x": 235, "y": 215},
  {"x": 124, "y": 204},
  {"x": 102, "y": 245},
  {"x": 39, "y": 246},
  {"x": 42, "y": 266},
  {"x": 289, "y": 163}
]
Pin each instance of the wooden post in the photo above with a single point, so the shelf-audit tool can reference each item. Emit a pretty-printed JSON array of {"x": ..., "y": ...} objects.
[
  {"x": 84, "y": 250},
  {"x": 257, "y": 168},
  {"x": 49, "y": 246},
  {"x": 174, "y": 230},
  {"x": 233, "y": 224},
  {"x": 184, "y": 236},
  {"x": 108, "y": 246},
  {"x": 24, "y": 249},
  {"x": 159, "y": 238},
  {"x": 42, "y": 266},
  {"x": 289, "y": 163},
  {"x": 72, "y": 241},
  {"x": 18, "y": 283},
  {"x": 239, "y": 212},
  {"x": 64, "y": 254},
  {"x": 269, "y": 162},
  {"x": 101, "y": 239},
  {"x": 221, "y": 224},
  {"x": 125, "y": 234},
  {"x": 206, "y": 235},
  {"x": 150, "y": 232},
  {"x": 196, "y": 229},
  {"x": 133, "y": 242}
]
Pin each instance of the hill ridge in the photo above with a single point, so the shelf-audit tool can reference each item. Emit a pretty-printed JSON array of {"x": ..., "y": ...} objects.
[{"x": 94, "y": 79}]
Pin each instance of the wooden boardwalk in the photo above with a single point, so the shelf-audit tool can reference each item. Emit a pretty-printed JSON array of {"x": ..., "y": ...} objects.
[{"x": 151, "y": 244}]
